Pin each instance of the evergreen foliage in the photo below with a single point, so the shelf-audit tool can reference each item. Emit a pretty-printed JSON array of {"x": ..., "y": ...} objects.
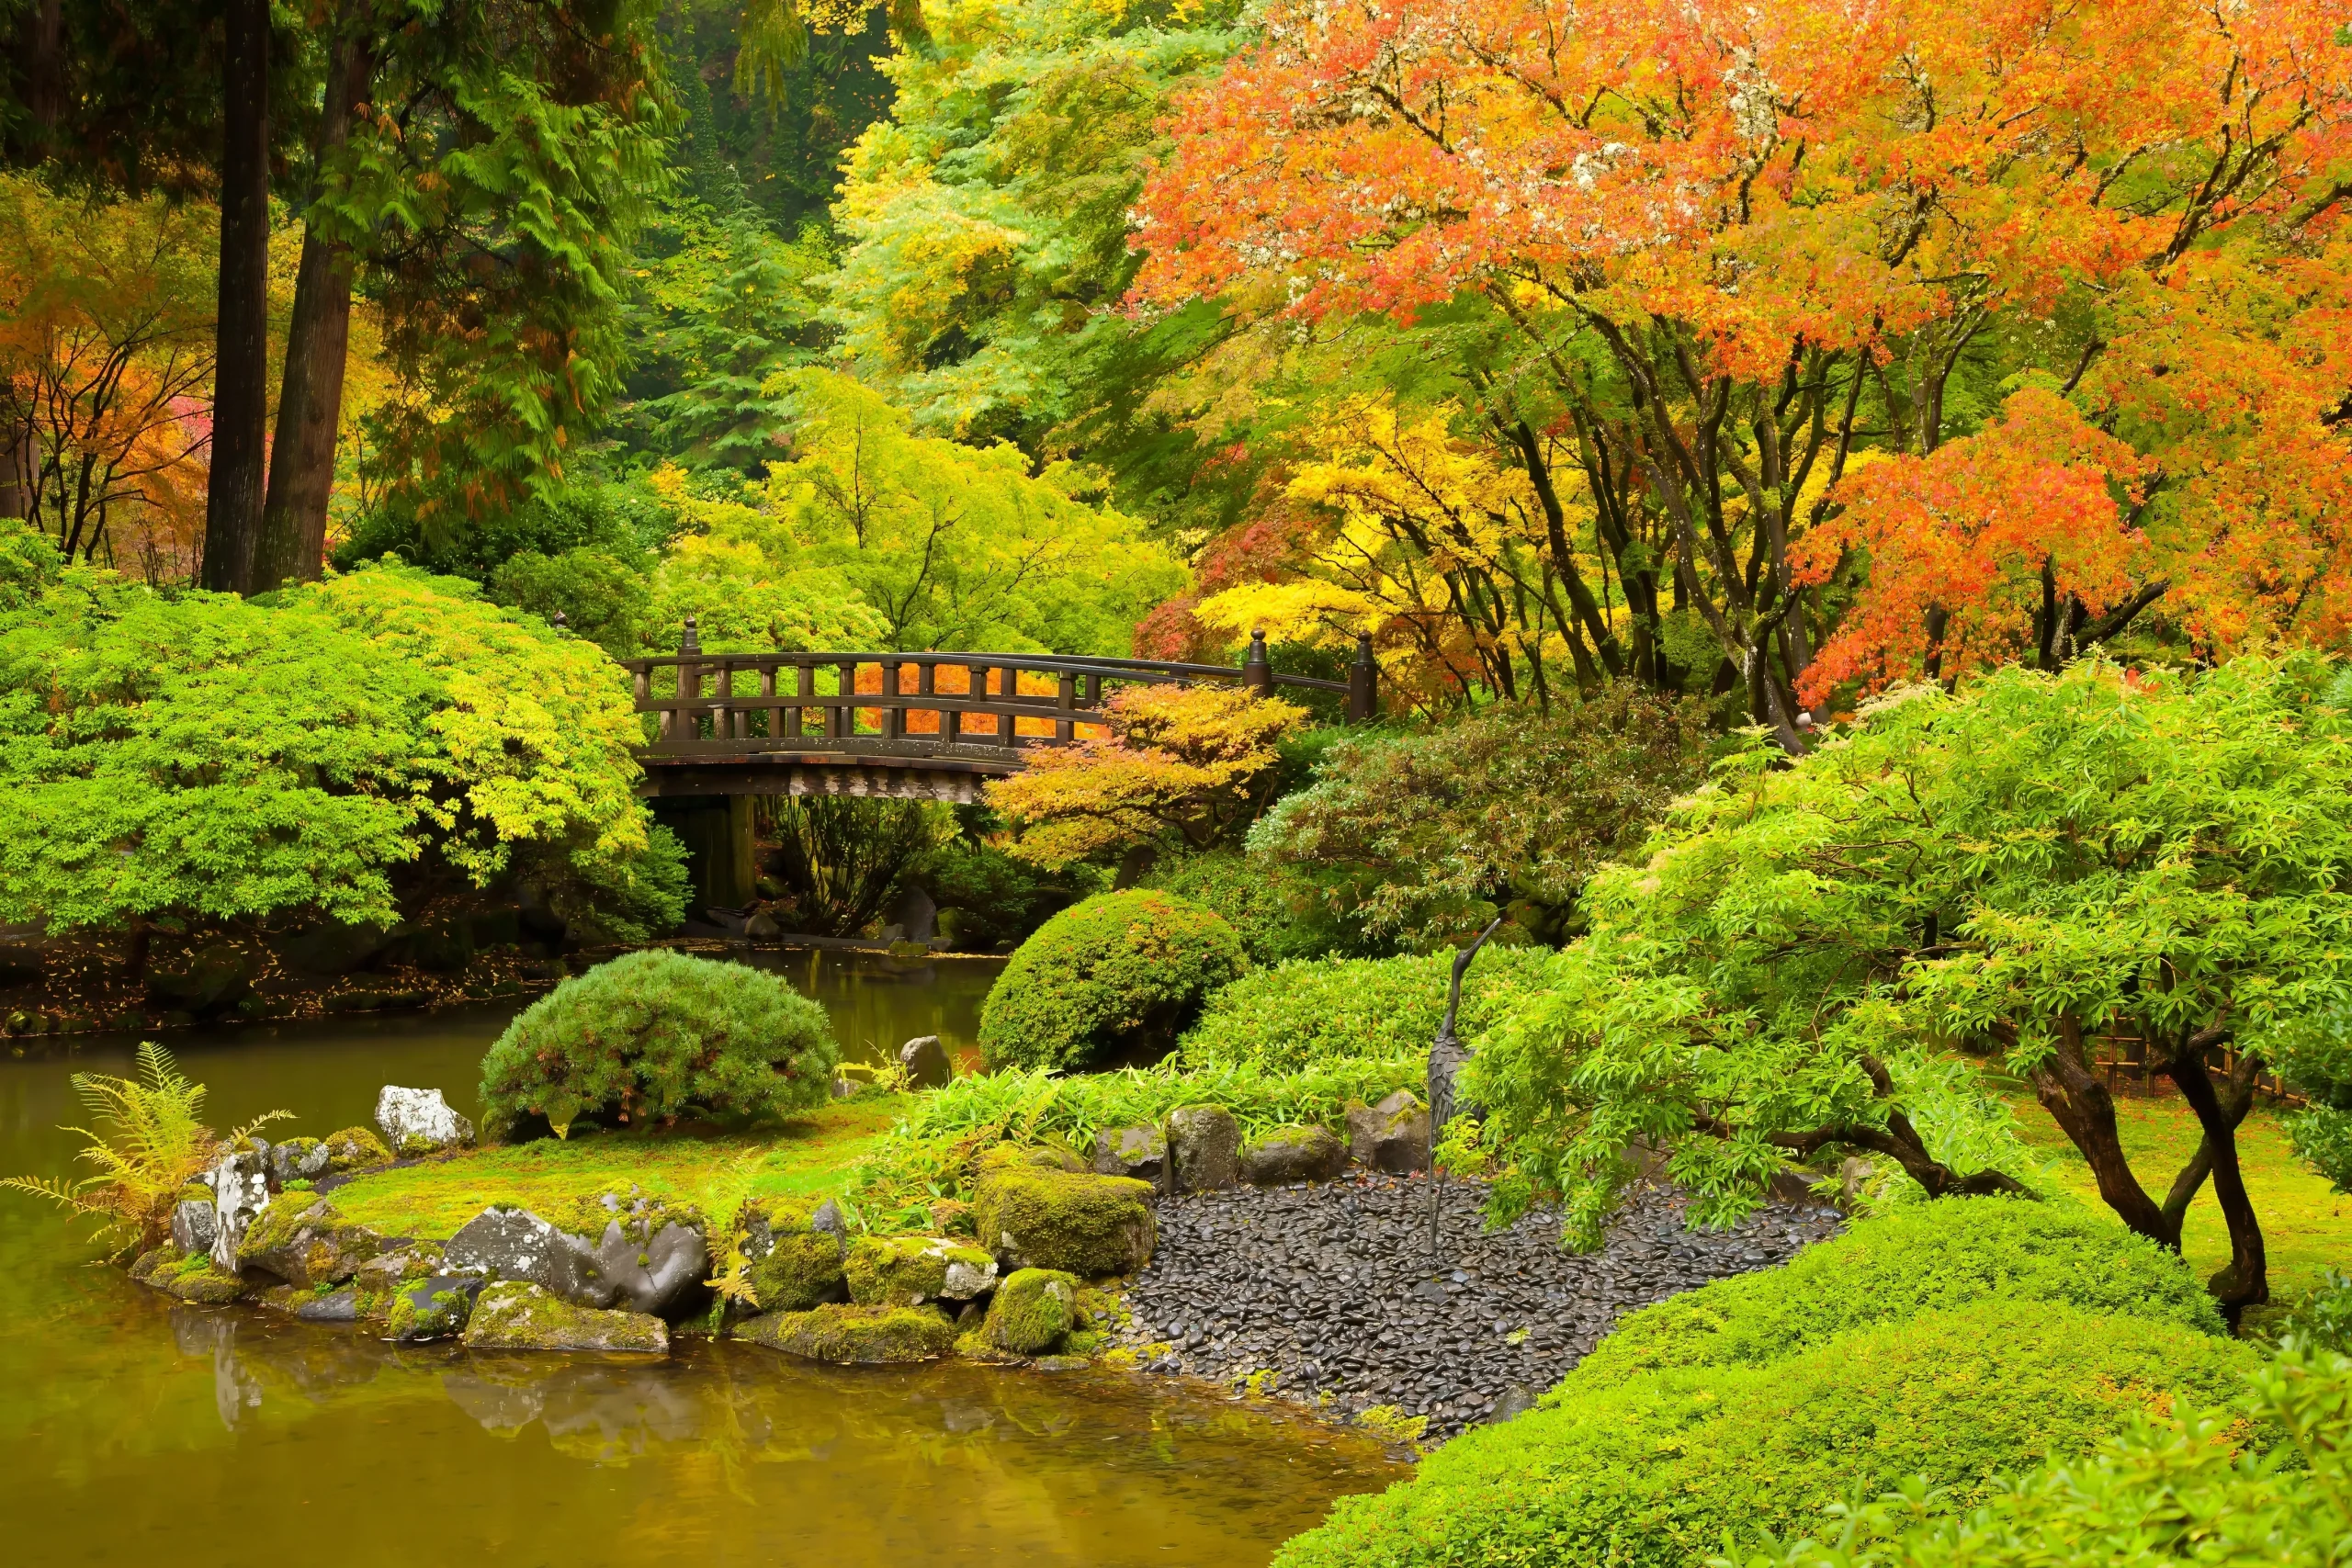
[
  {"x": 1120, "y": 973},
  {"x": 654, "y": 1037},
  {"x": 1279, "y": 912}
]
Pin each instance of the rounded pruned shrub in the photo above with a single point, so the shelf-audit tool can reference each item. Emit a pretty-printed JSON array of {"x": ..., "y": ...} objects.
[
  {"x": 1925, "y": 1257},
  {"x": 1300, "y": 1014},
  {"x": 1119, "y": 974},
  {"x": 655, "y": 1036},
  {"x": 1666, "y": 1469}
]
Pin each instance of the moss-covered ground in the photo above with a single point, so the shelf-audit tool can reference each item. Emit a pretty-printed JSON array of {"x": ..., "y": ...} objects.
[
  {"x": 2306, "y": 1224},
  {"x": 810, "y": 1154}
]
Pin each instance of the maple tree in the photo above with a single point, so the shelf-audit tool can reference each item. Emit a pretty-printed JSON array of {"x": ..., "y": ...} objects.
[
  {"x": 1729, "y": 253},
  {"x": 1183, "y": 764}
]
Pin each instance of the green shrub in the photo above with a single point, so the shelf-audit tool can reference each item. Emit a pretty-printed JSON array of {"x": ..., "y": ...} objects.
[
  {"x": 1367, "y": 1009},
  {"x": 657, "y": 1035},
  {"x": 1279, "y": 913},
  {"x": 1120, "y": 971},
  {"x": 1666, "y": 1467},
  {"x": 1934, "y": 1256},
  {"x": 2176, "y": 1491}
]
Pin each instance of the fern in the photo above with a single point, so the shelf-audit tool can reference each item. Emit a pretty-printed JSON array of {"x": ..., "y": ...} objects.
[{"x": 153, "y": 1145}]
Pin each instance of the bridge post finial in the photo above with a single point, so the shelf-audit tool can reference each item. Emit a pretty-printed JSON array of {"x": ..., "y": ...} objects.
[
  {"x": 1363, "y": 683},
  {"x": 690, "y": 641},
  {"x": 1257, "y": 670}
]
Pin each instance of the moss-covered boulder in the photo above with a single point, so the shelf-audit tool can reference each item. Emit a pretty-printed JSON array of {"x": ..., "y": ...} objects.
[
  {"x": 435, "y": 1307},
  {"x": 1034, "y": 1215},
  {"x": 355, "y": 1148},
  {"x": 516, "y": 1316},
  {"x": 1283, "y": 1155},
  {"x": 908, "y": 1270},
  {"x": 191, "y": 1277},
  {"x": 794, "y": 1250},
  {"x": 299, "y": 1159},
  {"x": 854, "y": 1336},
  {"x": 1032, "y": 1311},
  {"x": 377, "y": 1280},
  {"x": 307, "y": 1243}
]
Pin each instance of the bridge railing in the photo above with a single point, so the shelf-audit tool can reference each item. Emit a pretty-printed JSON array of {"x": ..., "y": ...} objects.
[{"x": 705, "y": 703}]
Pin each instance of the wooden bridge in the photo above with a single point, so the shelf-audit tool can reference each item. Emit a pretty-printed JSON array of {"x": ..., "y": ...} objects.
[
  {"x": 924, "y": 726},
  {"x": 902, "y": 725}
]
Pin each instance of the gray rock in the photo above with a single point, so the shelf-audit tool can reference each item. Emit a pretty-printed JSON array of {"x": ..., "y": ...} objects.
[
  {"x": 240, "y": 1186},
  {"x": 762, "y": 926},
  {"x": 1393, "y": 1136},
  {"x": 194, "y": 1225},
  {"x": 419, "y": 1122},
  {"x": 1293, "y": 1153},
  {"x": 926, "y": 1062},
  {"x": 918, "y": 915},
  {"x": 643, "y": 1262},
  {"x": 1139, "y": 1152},
  {"x": 828, "y": 1218},
  {"x": 299, "y": 1159},
  {"x": 335, "y": 1306},
  {"x": 1204, "y": 1146}
]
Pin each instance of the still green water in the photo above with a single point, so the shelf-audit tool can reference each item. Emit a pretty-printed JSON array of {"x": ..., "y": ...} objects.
[{"x": 134, "y": 1431}]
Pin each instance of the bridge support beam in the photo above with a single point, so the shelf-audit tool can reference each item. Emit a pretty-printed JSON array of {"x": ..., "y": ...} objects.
[{"x": 722, "y": 852}]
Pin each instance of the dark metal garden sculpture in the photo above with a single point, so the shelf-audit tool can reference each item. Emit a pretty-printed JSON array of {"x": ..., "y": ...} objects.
[{"x": 1447, "y": 1055}]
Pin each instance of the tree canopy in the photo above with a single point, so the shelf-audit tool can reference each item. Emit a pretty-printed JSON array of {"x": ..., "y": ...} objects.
[{"x": 2040, "y": 867}]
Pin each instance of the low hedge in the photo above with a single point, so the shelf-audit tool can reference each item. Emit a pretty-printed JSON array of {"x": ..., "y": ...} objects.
[
  {"x": 1120, "y": 971},
  {"x": 1310, "y": 1012},
  {"x": 654, "y": 1036},
  {"x": 1943, "y": 1254},
  {"x": 1666, "y": 1469}
]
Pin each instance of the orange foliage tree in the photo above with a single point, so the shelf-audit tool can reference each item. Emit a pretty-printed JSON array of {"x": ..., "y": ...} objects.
[
  {"x": 1185, "y": 764},
  {"x": 2078, "y": 276}
]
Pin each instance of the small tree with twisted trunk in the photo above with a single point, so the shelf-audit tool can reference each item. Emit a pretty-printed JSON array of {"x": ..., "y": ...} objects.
[{"x": 2029, "y": 866}]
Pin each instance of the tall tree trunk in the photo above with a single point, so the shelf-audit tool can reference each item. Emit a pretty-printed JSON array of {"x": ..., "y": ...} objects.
[
  {"x": 19, "y": 471},
  {"x": 240, "y": 371},
  {"x": 292, "y": 547},
  {"x": 38, "y": 67}
]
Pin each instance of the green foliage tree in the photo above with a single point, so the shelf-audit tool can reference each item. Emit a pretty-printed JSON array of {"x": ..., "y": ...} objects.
[
  {"x": 842, "y": 860},
  {"x": 1280, "y": 912},
  {"x": 2032, "y": 865},
  {"x": 985, "y": 220},
  {"x": 195, "y": 755},
  {"x": 656, "y": 1036},
  {"x": 1120, "y": 973},
  {"x": 955, "y": 546},
  {"x": 1440, "y": 829}
]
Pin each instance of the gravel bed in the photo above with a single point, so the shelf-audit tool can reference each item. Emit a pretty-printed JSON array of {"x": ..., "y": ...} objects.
[{"x": 1331, "y": 1289}]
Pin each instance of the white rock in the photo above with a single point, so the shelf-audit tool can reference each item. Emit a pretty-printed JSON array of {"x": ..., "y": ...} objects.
[
  {"x": 418, "y": 1121},
  {"x": 240, "y": 1186}
]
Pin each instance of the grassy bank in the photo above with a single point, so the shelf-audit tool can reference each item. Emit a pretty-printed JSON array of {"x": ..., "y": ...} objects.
[
  {"x": 2306, "y": 1224},
  {"x": 819, "y": 1152}
]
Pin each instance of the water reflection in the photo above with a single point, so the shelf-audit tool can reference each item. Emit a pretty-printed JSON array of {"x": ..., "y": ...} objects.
[{"x": 135, "y": 1430}]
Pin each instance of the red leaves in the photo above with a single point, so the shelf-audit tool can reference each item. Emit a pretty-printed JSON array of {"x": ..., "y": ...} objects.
[{"x": 1965, "y": 534}]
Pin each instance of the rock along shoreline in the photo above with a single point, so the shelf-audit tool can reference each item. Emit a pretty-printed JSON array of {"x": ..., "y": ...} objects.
[{"x": 1290, "y": 1266}]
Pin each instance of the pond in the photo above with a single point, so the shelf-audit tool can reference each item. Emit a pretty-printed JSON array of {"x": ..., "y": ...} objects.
[{"x": 134, "y": 1431}]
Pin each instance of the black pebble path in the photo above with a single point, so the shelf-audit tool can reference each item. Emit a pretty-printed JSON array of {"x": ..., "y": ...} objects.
[{"x": 1331, "y": 1287}]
